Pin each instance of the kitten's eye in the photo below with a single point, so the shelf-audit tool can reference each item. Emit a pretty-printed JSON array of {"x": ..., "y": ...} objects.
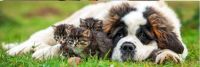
[
  {"x": 83, "y": 43},
  {"x": 70, "y": 42},
  {"x": 57, "y": 37}
]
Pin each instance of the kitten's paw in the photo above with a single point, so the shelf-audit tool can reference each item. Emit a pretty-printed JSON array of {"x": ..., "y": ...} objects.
[{"x": 167, "y": 54}]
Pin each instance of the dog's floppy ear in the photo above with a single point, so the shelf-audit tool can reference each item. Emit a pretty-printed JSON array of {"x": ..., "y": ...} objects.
[
  {"x": 116, "y": 13},
  {"x": 162, "y": 30}
]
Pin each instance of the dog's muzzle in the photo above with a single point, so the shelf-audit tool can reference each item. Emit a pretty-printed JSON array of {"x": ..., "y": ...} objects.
[
  {"x": 128, "y": 50},
  {"x": 127, "y": 47}
]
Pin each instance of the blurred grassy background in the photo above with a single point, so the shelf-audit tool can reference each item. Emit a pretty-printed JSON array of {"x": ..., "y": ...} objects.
[{"x": 18, "y": 20}]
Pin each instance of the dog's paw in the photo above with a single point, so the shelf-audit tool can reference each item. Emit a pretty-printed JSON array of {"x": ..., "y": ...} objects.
[
  {"x": 13, "y": 51},
  {"x": 35, "y": 48},
  {"x": 8, "y": 46},
  {"x": 18, "y": 50},
  {"x": 45, "y": 53},
  {"x": 167, "y": 55},
  {"x": 41, "y": 53}
]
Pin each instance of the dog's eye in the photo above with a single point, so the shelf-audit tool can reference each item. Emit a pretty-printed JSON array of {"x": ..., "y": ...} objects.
[
  {"x": 121, "y": 35},
  {"x": 144, "y": 35}
]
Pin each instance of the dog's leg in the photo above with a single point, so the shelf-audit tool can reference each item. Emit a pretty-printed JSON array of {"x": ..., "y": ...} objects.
[
  {"x": 160, "y": 56},
  {"x": 42, "y": 37},
  {"x": 47, "y": 52},
  {"x": 20, "y": 49},
  {"x": 8, "y": 46}
]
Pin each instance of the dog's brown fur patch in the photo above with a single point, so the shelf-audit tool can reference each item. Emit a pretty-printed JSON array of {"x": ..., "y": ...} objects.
[
  {"x": 162, "y": 30},
  {"x": 115, "y": 15}
]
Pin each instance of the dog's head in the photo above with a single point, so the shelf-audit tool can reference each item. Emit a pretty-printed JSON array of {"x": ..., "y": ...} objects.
[{"x": 136, "y": 33}]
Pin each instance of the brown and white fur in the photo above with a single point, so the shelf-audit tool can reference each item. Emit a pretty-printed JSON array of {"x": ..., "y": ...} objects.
[{"x": 132, "y": 20}]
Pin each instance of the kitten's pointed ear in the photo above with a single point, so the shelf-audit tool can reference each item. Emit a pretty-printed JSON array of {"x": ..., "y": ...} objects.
[
  {"x": 86, "y": 33},
  {"x": 100, "y": 22},
  {"x": 53, "y": 26},
  {"x": 82, "y": 20}
]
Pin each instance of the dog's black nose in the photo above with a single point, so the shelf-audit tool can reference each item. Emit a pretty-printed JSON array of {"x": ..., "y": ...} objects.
[{"x": 127, "y": 47}]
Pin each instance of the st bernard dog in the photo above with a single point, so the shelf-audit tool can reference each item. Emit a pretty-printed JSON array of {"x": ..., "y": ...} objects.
[{"x": 139, "y": 30}]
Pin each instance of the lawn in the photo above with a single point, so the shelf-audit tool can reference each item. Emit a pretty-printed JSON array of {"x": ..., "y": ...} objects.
[{"x": 18, "y": 20}]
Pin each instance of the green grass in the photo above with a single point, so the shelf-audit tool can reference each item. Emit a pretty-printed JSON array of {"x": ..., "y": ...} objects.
[{"x": 15, "y": 26}]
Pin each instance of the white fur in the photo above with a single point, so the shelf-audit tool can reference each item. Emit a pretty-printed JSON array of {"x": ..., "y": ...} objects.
[
  {"x": 45, "y": 46},
  {"x": 133, "y": 20},
  {"x": 39, "y": 38},
  {"x": 168, "y": 54},
  {"x": 8, "y": 46},
  {"x": 47, "y": 52},
  {"x": 142, "y": 51}
]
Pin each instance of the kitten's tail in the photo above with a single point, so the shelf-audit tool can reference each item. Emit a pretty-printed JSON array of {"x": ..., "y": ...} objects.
[{"x": 8, "y": 46}]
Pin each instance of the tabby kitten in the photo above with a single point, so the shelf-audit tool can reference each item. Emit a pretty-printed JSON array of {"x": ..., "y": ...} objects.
[
  {"x": 72, "y": 39},
  {"x": 100, "y": 44},
  {"x": 81, "y": 41},
  {"x": 61, "y": 33}
]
